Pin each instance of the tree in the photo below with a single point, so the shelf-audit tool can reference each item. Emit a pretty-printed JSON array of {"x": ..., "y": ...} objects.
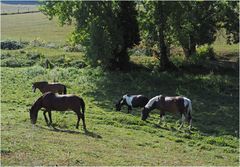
[
  {"x": 156, "y": 24},
  {"x": 195, "y": 23},
  {"x": 229, "y": 16},
  {"x": 106, "y": 29}
]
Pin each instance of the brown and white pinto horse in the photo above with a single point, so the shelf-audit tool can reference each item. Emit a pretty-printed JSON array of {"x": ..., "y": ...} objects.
[
  {"x": 44, "y": 87},
  {"x": 54, "y": 102},
  {"x": 132, "y": 101},
  {"x": 175, "y": 104}
]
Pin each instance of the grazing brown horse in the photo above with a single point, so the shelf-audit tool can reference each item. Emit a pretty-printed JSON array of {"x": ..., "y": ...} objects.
[
  {"x": 51, "y": 101},
  {"x": 175, "y": 104},
  {"x": 44, "y": 87},
  {"x": 131, "y": 101}
]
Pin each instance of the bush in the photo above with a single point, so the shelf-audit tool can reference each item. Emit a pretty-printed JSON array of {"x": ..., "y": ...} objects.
[
  {"x": 143, "y": 49},
  {"x": 5, "y": 55},
  {"x": 16, "y": 62},
  {"x": 76, "y": 48},
  {"x": 37, "y": 43},
  {"x": 11, "y": 45},
  {"x": 78, "y": 64},
  {"x": 204, "y": 52},
  {"x": 33, "y": 56},
  {"x": 46, "y": 63}
]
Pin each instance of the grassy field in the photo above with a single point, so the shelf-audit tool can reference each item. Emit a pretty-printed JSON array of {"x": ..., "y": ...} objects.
[
  {"x": 9, "y": 8},
  {"x": 114, "y": 138},
  {"x": 123, "y": 137},
  {"x": 28, "y": 27}
]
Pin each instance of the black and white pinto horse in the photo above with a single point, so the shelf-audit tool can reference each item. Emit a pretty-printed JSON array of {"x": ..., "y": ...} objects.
[
  {"x": 132, "y": 101},
  {"x": 177, "y": 104}
]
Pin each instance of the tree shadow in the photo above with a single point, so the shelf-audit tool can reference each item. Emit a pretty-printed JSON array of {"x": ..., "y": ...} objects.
[{"x": 215, "y": 102}]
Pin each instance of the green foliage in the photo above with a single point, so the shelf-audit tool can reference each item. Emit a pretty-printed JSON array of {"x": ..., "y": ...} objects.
[
  {"x": 203, "y": 53},
  {"x": 11, "y": 45},
  {"x": 189, "y": 23},
  {"x": 100, "y": 27},
  {"x": 229, "y": 16}
]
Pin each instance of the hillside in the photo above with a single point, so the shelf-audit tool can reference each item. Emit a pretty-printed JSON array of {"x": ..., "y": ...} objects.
[{"x": 113, "y": 138}]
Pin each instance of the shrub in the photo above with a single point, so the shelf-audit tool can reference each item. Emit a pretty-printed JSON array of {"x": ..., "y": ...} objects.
[
  {"x": 11, "y": 45},
  {"x": 46, "y": 63},
  {"x": 5, "y": 55},
  {"x": 203, "y": 53},
  {"x": 76, "y": 48},
  {"x": 78, "y": 64},
  {"x": 33, "y": 56},
  {"x": 15, "y": 62},
  {"x": 37, "y": 43}
]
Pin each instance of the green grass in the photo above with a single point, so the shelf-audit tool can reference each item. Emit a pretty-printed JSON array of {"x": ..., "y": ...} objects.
[
  {"x": 28, "y": 27},
  {"x": 117, "y": 138},
  {"x": 114, "y": 138}
]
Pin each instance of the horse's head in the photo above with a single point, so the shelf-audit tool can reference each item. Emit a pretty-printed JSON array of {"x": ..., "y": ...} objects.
[
  {"x": 38, "y": 85},
  {"x": 33, "y": 115},
  {"x": 145, "y": 113},
  {"x": 118, "y": 105},
  {"x": 34, "y": 110}
]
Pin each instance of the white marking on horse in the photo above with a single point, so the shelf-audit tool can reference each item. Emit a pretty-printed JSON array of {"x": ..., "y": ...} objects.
[
  {"x": 186, "y": 101},
  {"x": 128, "y": 99},
  {"x": 151, "y": 101},
  {"x": 168, "y": 98}
]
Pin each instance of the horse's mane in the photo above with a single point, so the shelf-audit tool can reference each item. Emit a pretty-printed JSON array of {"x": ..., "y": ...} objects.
[
  {"x": 151, "y": 101},
  {"x": 37, "y": 102},
  {"x": 40, "y": 84}
]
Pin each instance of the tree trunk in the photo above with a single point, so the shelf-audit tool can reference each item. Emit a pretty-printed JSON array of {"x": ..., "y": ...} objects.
[
  {"x": 164, "y": 60},
  {"x": 192, "y": 45},
  {"x": 120, "y": 61},
  {"x": 190, "y": 48}
]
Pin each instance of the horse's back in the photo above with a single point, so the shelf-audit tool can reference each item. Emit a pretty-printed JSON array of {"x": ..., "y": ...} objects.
[
  {"x": 61, "y": 102},
  {"x": 173, "y": 103},
  {"x": 55, "y": 87}
]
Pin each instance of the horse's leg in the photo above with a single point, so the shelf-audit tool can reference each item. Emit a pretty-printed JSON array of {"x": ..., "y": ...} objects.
[
  {"x": 190, "y": 121},
  {"x": 162, "y": 117},
  {"x": 78, "y": 120},
  {"x": 83, "y": 119},
  {"x": 183, "y": 119},
  {"x": 44, "y": 113},
  {"x": 50, "y": 117},
  {"x": 129, "y": 109}
]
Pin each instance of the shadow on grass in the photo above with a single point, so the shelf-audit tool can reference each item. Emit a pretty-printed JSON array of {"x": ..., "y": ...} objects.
[
  {"x": 214, "y": 97},
  {"x": 87, "y": 132}
]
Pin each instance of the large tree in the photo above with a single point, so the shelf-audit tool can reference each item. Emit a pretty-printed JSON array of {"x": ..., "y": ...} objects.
[
  {"x": 196, "y": 22},
  {"x": 155, "y": 23},
  {"x": 107, "y": 29},
  {"x": 229, "y": 17}
]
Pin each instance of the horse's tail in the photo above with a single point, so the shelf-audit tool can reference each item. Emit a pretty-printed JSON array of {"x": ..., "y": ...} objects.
[
  {"x": 83, "y": 106},
  {"x": 189, "y": 112},
  {"x": 64, "y": 89}
]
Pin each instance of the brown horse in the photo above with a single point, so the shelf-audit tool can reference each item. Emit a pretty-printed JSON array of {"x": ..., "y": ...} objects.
[
  {"x": 51, "y": 101},
  {"x": 131, "y": 101},
  {"x": 175, "y": 104},
  {"x": 44, "y": 87}
]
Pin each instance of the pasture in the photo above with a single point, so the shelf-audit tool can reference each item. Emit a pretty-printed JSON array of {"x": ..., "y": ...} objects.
[
  {"x": 34, "y": 26},
  {"x": 114, "y": 138}
]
